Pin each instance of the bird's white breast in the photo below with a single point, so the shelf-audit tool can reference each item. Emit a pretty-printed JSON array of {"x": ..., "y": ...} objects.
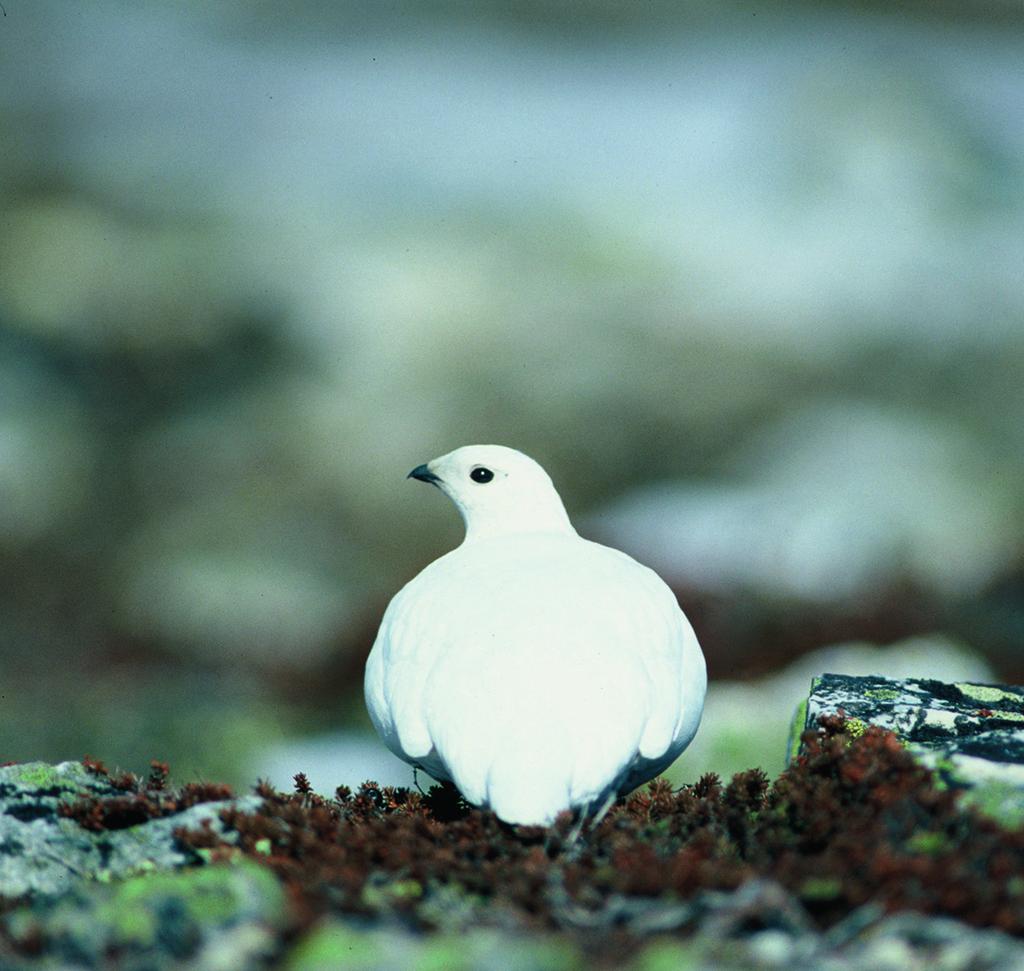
[{"x": 535, "y": 670}]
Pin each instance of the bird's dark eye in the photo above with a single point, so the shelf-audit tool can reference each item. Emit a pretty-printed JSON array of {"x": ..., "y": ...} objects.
[{"x": 481, "y": 475}]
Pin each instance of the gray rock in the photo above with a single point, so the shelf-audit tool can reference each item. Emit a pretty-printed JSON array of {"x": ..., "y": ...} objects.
[
  {"x": 913, "y": 940},
  {"x": 45, "y": 854},
  {"x": 972, "y": 735},
  {"x": 744, "y": 720}
]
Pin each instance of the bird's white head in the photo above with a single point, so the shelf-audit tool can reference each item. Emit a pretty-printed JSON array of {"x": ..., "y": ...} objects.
[{"x": 497, "y": 490}]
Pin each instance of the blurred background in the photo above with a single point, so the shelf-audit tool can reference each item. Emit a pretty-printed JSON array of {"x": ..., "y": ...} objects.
[{"x": 746, "y": 279}]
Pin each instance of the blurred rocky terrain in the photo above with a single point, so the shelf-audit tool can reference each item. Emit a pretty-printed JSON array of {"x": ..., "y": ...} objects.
[
  {"x": 745, "y": 280},
  {"x": 855, "y": 858}
]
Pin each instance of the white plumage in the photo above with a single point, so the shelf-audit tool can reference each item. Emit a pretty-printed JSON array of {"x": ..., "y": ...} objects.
[{"x": 536, "y": 670}]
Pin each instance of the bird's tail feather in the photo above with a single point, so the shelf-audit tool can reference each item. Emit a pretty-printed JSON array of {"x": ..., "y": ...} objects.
[
  {"x": 528, "y": 783},
  {"x": 518, "y": 793}
]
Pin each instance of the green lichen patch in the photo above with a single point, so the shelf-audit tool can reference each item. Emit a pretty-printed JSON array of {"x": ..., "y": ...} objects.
[
  {"x": 999, "y": 715},
  {"x": 989, "y": 694},
  {"x": 34, "y": 779},
  {"x": 855, "y": 727},
  {"x": 40, "y": 775},
  {"x": 882, "y": 694}
]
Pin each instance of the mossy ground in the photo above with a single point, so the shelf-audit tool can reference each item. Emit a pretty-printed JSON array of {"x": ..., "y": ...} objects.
[{"x": 855, "y": 820}]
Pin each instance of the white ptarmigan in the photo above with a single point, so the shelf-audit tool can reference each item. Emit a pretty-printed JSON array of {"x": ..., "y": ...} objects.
[{"x": 536, "y": 670}]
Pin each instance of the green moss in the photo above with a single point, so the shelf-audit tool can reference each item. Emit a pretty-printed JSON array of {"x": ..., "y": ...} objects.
[
  {"x": 448, "y": 953},
  {"x": 668, "y": 956},
  {"x": 945, "y": 774},
  {"x": 407, "y": 889},
  {"x": 796, "y": 728},
  {"x": 334, "y": 945},
  {"x": 382, "y": 896},
  {"x": 986, "y": 693},
  {"x": 821, "y": 888},
  {"x": 134, "y": 925},
  {"x": 209, "y": 896},
  {"x": 1001, "y": 801},
  {"x": 930, "y": 843}
]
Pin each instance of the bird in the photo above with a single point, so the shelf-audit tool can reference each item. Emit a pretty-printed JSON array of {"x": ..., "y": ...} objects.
[{"x": 536, "y": 670}]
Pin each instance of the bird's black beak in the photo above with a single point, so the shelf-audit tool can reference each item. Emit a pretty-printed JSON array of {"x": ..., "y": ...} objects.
[{"x": 424, "y": 474}]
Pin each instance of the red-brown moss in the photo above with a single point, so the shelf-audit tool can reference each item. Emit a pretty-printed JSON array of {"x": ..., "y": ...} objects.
[
  {"x": 851, "y": 821},
  {"x": 142, "y": 800}
]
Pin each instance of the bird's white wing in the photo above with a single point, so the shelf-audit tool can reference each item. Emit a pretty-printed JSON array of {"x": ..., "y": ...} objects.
[
  {"x": 660, "y": 636},
  {"x": 411, "y": 636}
]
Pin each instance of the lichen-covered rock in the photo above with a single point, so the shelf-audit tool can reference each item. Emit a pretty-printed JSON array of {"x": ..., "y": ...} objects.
[
  {"x": 217, "y": 918},
  {"x": 744, "y": 721},
  {"x": 724, "y": 942},
  {"x": 43, "y": 852},
  {"x": 972, "y": 735},
  {"x": 759, "y": 927}
]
